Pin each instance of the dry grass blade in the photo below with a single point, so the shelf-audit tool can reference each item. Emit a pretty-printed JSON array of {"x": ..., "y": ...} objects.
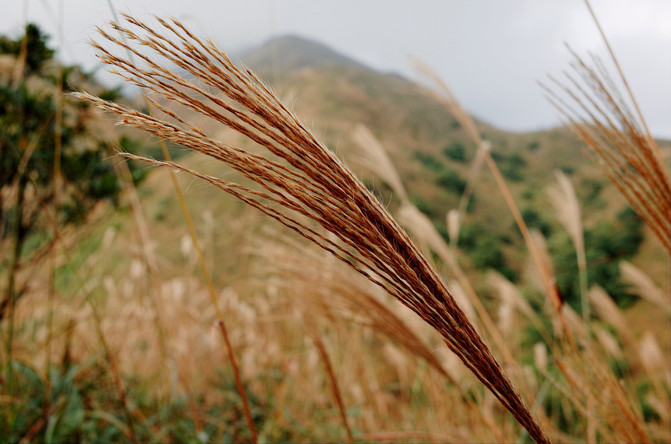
[
  {"x": 311, "y": 182},
  {"x": 608, "y": 405},
  {"x": 327, "y": 289},
  {"x": 310, "y": 276},
  {"x": 608, "y": 342},
  {"x": 423, "y": 230},
  {"x": 453, "y": 222}
]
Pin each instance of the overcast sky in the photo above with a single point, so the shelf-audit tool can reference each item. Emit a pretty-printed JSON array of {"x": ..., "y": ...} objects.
[{"x": 491, "y": 52}]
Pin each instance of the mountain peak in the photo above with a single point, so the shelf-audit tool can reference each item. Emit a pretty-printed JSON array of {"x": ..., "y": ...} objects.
[{"x": 294, "y": 52}]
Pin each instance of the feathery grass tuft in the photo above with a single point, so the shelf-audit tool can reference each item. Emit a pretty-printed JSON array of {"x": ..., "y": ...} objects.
[
  {"x": 310, "y": 182},
  {"x": 618, "y": 140}
]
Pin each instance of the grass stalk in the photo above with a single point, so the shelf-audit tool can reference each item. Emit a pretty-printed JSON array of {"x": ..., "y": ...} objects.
[
  {"x": 313, "y": 331},
  {"x": 201, "y": 260},
  {"x": 124, "y": 175},
  {"x": 303, "y": 274},
  {"x": 311, "y": 182},
  {"x": 567, "y": 207},
  {"x": 58, "y": 124},
  {"x": 109, "y": 357}
]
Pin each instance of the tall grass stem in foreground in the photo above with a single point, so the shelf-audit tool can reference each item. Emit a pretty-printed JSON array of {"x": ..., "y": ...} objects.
[
  {"x": 201, "y": 260},
  {"x": 311, "y": 182}
]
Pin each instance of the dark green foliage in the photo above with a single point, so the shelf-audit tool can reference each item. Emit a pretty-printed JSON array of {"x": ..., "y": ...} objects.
[
  {"x": 592, "y": 193},
  {"x": 533, "y": 145},
  {"x": 445, "y": 176},
  {"x": 620, "y": 367},
  {"x": 650, "y": 414},
  {"x": 605, "y": 246},
  {"x": 429, "y": 161},
  {"x": 427, "y": 207},
  {"x": 451, "y": 180},
  {"x": 533, "y": 219},
  {"x": 110, "y": 94},
  {"x": 27, "y": 140},
  {"x": 511, "y": 166},
  {"x": 567, "y": 169},
  {"x": 28, "y": 145},
  {"x": 455, "y": 151},
  {"x": 484, "y": 250},
  {"x": 83, "y": 406},
  {"x": 66, "y": 413},
  {"x": 36, "y": 49}
]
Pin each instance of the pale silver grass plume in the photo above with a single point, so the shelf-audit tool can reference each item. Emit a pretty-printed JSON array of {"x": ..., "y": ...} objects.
[
  {"x": 644, "y": 287},
  {"x": 481, "y": 155},
  {"x": 545, "y": 260},
  {"x": 567, "y": 208},
  {"x": 374, "y": 158},
  {"x": 541, "y": 357},
  {"x": 541, "y": 268},
  {"x": 608, "y": 342},
  {"x": 576, "y": 323},
  {"x": 663, "y": 409},
  {"x": 453, "y": 221},
  {"x": 328, "y": 288},
  {"x": 654, "y": 361},
  {"x": 422, "y": 228},
  {"x": 507, "y": 320},
  {"x": 465, "y": 121},
  {"x": 511, "y": 295},
  {"x": 608, "y": 310},
  {"x": 312, "y": 182}
]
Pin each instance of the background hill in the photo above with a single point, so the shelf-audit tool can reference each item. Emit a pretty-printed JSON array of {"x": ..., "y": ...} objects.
[{"x": 428, "y": 147}]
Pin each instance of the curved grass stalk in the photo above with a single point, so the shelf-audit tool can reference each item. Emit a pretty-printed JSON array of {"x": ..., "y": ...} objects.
[{"x": 310, "y": 182}]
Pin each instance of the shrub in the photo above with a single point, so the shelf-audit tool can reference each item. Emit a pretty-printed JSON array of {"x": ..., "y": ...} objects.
[
  {"x": 455, "y": 151},
  {"x": 451, "y": 180}
]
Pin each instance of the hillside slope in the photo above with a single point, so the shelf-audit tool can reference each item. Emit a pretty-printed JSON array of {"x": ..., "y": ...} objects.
[{"x": 432, "y": 153}]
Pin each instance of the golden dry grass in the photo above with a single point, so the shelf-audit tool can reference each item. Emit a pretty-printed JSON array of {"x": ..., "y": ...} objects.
[{"x": 311, "y": 183}]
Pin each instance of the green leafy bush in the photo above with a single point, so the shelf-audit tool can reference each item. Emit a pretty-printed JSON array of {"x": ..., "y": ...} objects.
[
  {"x": 451, "y": 180},
  {"x": 455, "y": 151},
  {"x": 484, "y": 249},
  {"x": 605, "y": 246}
]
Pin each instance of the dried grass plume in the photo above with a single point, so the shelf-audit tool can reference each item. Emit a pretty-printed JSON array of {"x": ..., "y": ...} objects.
[{"x": 298, "y": 179}]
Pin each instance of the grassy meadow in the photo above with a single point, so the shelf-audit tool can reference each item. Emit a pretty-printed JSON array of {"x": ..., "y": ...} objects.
[{"x": 431, "y": 278}]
